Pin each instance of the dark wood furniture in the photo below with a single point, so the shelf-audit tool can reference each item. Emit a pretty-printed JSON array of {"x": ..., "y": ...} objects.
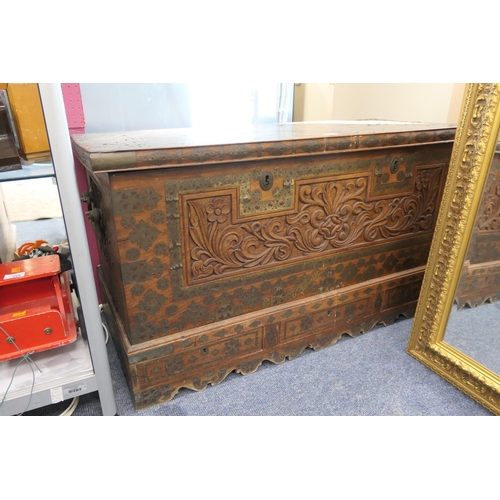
[{"x": 224, "y": 248}]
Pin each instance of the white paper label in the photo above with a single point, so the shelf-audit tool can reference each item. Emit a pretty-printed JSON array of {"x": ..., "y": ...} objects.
[
  {"x": 13, "y": 276},
  {"x": 56, "y": 394}
]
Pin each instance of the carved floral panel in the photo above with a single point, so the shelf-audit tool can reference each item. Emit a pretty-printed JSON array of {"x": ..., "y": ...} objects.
[{"x": 330, "y": 215}]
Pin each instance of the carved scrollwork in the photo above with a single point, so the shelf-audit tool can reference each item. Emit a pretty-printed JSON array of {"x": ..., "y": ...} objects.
[
  {"x": 489, "y": 217},
  {"x": 332, "y": 215}
]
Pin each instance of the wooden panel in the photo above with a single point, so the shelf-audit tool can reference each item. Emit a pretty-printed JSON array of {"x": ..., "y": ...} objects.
[
  {"x": 203, "y": 245},
  {"x": 28, "y": 116}
]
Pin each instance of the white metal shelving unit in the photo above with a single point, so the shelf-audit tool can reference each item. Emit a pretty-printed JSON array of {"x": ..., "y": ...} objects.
[{"x": 81, "y": 367}]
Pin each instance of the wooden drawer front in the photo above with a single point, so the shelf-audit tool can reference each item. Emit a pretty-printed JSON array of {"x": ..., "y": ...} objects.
[
  {"x": 478, "y": 283},
  {"x": 189, "y": 360},
  {"x": 404, "y": 294},
  {"x": 335, "y": 315}
]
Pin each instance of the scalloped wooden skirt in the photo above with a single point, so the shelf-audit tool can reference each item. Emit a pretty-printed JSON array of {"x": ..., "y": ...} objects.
[{"x": 155, "y": 371}]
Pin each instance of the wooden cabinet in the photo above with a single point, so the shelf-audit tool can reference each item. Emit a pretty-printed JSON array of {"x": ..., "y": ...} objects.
[
  {"x": 220, "y": 250},
  {"x": 27, "y": 114}
]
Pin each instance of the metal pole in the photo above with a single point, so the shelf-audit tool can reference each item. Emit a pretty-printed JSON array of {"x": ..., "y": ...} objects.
[{"x": 62, "y": 157}]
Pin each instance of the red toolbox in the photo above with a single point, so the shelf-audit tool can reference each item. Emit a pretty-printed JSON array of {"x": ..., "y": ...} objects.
[{"x": 36, "y": 310}]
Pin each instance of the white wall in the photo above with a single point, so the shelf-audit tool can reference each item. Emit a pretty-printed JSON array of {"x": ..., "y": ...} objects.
[
  {"x": 425, "y": 102},
  {"x": 8, "y": 233},
  {"x": 313, "y": 102}
]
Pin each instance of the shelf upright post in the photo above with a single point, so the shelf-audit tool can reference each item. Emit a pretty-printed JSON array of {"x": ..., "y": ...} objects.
[{"x": 62, "y": 158}]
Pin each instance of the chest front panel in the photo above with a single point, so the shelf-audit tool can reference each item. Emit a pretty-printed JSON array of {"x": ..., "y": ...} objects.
[{"x": 196, "y": 245}]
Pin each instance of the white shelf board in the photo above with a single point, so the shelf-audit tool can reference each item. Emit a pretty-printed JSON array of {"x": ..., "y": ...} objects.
[{"x": 66, "y": 372}]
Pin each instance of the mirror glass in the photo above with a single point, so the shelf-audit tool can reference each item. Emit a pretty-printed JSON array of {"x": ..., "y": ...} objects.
[{"x": 473, "y": 325}]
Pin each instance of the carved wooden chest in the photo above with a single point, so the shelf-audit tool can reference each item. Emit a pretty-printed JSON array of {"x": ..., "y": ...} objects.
[{"x": 222, "y": 249}]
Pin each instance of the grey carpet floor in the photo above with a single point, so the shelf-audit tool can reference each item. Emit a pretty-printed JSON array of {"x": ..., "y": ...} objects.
[{"x": 370, "y": 375}]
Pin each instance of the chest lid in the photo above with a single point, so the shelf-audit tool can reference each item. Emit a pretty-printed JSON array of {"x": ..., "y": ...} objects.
[{"x": 107, "y": 152}]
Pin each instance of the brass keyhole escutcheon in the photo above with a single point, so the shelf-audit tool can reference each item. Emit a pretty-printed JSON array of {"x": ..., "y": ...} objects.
[
  {"x": 394, "y": 166},
  {"x": 266, "y": 180}
]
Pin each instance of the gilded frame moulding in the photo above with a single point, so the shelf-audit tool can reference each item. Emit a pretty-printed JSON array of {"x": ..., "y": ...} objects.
[{"x": 473, "y": 150}]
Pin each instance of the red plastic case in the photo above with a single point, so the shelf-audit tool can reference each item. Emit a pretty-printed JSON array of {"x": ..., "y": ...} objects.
[{"x": 36, "y": 310}]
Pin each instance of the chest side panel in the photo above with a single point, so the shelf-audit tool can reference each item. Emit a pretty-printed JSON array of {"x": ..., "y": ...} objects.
[{"x": 100, "y": 213}]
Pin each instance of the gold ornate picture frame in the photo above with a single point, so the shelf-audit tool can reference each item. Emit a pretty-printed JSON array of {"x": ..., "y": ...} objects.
[{"x": 474, "y": 147}]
